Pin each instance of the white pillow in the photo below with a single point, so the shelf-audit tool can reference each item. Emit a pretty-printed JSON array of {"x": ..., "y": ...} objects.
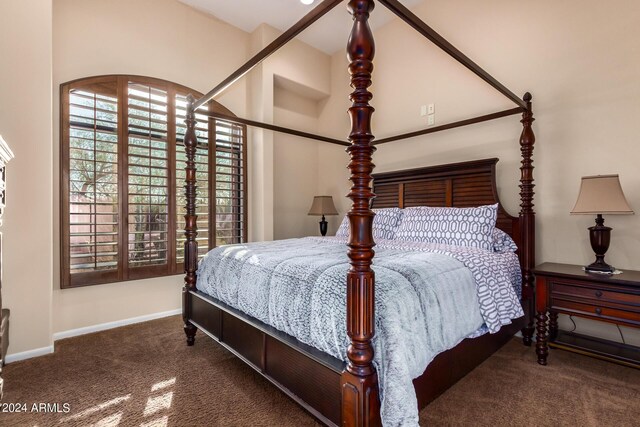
[
  {"x": 472, "y": 227},
  {"x": 502, "y": 242},
  {"x": 385, "y": 224}
]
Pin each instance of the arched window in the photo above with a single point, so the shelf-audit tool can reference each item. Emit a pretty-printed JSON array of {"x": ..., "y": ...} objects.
[{"x": 122, "y": 179}]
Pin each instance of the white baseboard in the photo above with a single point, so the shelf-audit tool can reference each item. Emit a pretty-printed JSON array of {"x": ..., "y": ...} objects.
[
  {"x": 110, "y": 325},
  {"x": 36, "y": 352},
  {"x": 16, "y": 357}
]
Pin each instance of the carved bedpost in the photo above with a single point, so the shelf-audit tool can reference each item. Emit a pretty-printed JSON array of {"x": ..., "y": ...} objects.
[
  {"x": 190, "y": 217},
  {"x": 359, "y": 383},
  {"x": 527, "y": 219}
]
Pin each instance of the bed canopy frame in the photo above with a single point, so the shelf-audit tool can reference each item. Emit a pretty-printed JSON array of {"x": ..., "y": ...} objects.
[{"x": 358, "y": 399}]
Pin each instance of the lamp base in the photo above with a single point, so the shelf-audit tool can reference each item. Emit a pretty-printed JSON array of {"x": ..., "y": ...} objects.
[
  {"x": 600, "y": 268},
  {"x": 323, "y": 226},
  {"x": 600, "y": 237}
]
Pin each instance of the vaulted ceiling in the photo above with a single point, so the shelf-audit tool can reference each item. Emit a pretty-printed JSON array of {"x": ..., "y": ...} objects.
[{"x": 329, "y": 34}]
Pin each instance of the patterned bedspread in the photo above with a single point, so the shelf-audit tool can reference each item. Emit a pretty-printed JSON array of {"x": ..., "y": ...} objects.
[{"x": 428, "y": 298}]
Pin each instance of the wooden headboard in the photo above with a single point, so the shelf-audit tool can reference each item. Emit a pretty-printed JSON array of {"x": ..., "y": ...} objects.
[{"x": 458, "y": 184}]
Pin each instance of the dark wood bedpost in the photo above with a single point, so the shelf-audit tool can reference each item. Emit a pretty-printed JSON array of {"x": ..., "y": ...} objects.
[
  {"x": 527, "y": 219},
  {"x": 190, "y": 217},
  {"x": 359, "y": 382}
]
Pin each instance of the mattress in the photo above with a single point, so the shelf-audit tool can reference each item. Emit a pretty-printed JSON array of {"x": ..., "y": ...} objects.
[{"x": 429, "y": 297}]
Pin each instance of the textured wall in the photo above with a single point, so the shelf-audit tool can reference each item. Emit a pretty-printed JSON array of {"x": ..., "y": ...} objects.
[{"x": 25, "y": 123}]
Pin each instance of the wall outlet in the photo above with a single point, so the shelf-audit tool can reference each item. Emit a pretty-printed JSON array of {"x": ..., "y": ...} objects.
[
  {"x": 431, "y": 119},
  {"x": 423, "y": 110},
  {"x": 431, "y": 109}
]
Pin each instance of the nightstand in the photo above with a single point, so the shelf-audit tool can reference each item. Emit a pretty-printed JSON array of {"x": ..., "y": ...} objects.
[{"x": 567, "y": 289}]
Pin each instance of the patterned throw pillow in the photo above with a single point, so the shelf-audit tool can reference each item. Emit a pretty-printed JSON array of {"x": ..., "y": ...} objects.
[
  {"x": 343, "y": 230},
  {"x": 471, "y": 227},
  {"x": 385, "y": 224},
  {"x": 502, "y": 242}
]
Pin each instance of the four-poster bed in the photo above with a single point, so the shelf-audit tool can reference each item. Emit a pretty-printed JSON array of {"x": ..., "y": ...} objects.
[{"x": 340, "y": 393}]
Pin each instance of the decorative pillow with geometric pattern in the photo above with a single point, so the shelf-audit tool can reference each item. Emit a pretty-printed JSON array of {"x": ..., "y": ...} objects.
[
  {"x": 502, "y": 242},
  {"x": 385, "y": 224},
  {"x": 472, "y": 227}
]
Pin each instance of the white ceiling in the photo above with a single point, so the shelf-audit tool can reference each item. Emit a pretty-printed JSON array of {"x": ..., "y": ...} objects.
[{"x": 329, "y": 34}]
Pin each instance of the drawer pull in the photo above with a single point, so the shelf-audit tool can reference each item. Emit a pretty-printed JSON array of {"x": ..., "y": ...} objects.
[
  {"x": 598, "y": 294},
  {"x": 598, "y": 311}
]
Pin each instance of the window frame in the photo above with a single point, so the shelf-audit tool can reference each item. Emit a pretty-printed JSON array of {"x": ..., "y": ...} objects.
[{"x": 123, "y": 271}]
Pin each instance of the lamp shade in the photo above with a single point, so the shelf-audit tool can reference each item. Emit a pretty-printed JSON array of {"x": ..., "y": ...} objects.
[
  {"x": 601, "y": 194},
  {"x": 323, "y": 205}
]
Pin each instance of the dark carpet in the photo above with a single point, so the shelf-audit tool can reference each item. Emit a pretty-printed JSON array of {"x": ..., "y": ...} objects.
[{"x": 145, "y": 375}]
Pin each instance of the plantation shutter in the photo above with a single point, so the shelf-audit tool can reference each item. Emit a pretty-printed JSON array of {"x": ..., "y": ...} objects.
[
  {"x": 148, "y": 175},
  {"x": 122, "y": 179},
  {"x": 91, "y": 193},
  {"x": 230, "y": 183}
]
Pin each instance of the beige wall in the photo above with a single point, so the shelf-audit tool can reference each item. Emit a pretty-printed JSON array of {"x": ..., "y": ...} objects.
[
  {"x": 580, "y": 63},
  {"x": 261, "y": 162},
  {"x": 288, "y": 89},
  {"x": 295, "y": 166},
  {"x": 334, "y": 121},
  {"x": 172, "y": 42},
  {"x": 25, "y": 123}
]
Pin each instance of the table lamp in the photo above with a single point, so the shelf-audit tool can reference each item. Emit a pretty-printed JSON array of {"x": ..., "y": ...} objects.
[
  {"x": 323, "y": 205},
  {"x": 601, "y": 194}
]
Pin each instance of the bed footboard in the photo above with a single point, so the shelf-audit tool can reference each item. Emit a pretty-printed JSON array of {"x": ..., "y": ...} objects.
[
  {"x": 313, "y": 378},
  {"x": 310, "y": 377}
]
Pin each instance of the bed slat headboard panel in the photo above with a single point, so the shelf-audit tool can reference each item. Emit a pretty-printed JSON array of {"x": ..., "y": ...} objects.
[{"x": 466, "y": 184}]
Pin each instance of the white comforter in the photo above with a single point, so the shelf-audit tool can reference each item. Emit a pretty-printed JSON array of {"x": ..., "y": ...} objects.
[{"x": 428, "y": 298}]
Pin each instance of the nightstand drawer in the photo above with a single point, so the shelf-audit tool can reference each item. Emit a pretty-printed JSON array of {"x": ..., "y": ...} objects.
[
  {"x": 614, "y": 313},
  {"x": 568, "y": 289},
  {"x": 597, "y": 294}
]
